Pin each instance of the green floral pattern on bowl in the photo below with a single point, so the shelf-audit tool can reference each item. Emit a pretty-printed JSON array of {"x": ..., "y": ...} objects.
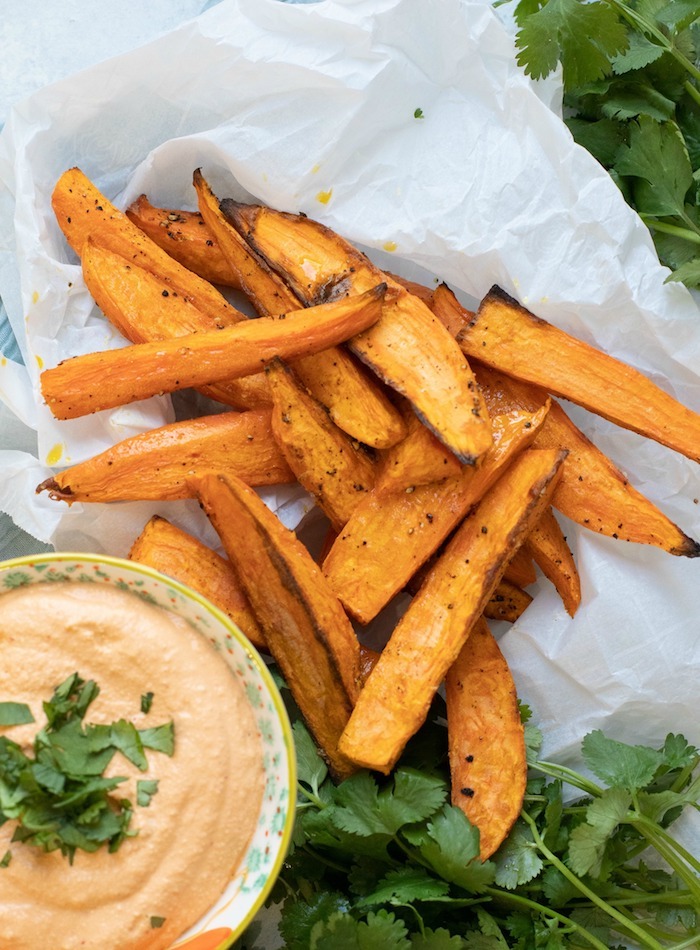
[{"x": 260, "y": 866}]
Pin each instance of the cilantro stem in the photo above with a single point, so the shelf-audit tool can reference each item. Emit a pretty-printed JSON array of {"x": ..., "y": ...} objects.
[
  {"x": 628, "y": 925},
  {"x": 671, "y": 851},
  {"x": 673, "y": 229},
  {"x": 570, "y": 777},
  {"x": 520, "y": 901}
]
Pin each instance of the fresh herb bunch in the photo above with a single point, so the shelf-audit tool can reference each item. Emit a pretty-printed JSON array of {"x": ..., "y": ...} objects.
[
  {"x": 390, "y": 864},
  {"x": 60, "y": 797},
  {"x": 632, "y": 99}
]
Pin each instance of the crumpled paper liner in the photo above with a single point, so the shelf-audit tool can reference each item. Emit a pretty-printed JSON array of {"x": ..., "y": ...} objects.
[{"x": 313, "y": 108}]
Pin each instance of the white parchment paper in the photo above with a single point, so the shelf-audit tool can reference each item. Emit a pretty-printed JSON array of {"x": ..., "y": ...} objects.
[{"x": 291, "y": 104}]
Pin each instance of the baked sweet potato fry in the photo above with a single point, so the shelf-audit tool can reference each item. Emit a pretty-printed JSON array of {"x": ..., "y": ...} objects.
[
  {"x": 98, "y": 381},
  {"x": 184, "y": 236},
  {"x": 172, "y": 551},
  {"x": 547, "y": 546},
  {"x": 505, "y": 335},
  {"x": 508, "y": 602},
  {"x": 429, "y": 636},
  {"x": 155, "y": 465},
  {"x": 81, "y": 209},
  {"x": 486, "y": 740},
  {"x": 408, "y": 348},
  {"x": 325, "y": 461},
  {"x": 354, "y": 399},
  {"x": 592, "y": 491},
  {"x": 418, "y": 459},
  {"x": 521, "y": 569},
  {"x": 306, "y": 629},
  {"x": 144, "y": 308},
  {"x": 390, "y": 536}
]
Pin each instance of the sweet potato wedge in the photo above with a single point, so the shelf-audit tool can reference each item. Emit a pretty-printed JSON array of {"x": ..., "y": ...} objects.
[
  {"x": 418, "y": 459},
  {"x": 521, "y": 569},
  {"x": 144, "y": 308},
  {"x": 429, "y": 636},
  {"x": 505, "y": 335},
  {"x": 98, "y": 381},
  {"x": 172, "y": 551},
  {"x": 408, "y": 348},
  {"x": 325, "y": 461},
  {"x": 547, "y": 546},
  {"x": 306, "y": 629},
  {"x": 592, "y": 491},
  {"x": 81, "y": 209},
  {"x": 354, "y": 399},
  {"x": 155, "y": 465},
  {"x": 486, "y": 740},
  {"x": 184, "y": 236},
  {"x": 508, "y": 602},
  {"x": 389, "y": 537}
]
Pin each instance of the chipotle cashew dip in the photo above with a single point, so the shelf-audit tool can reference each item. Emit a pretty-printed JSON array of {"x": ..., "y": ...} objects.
[{"x": 193, "y": 831}]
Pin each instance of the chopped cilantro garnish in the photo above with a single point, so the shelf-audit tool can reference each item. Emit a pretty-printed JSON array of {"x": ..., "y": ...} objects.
[
  {"x": 15, "y": 714},
  {"x": 60, "y": 798},
  {"x": 418, "y": 114},
  {"x": 146, "y": 702},
  {"x": 5, "y": 860},
  {"x": 157, "y": 922},
  {"x": 145, "y": 790}
]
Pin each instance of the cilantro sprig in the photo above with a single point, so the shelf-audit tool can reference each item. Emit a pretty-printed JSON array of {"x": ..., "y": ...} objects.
[
  {"x": 631, "y": 76},
  {"x": 60, "y": 797},
  {"x": 388, "y": 864}
]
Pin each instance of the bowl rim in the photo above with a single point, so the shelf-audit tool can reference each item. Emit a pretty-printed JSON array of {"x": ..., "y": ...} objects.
[{"x": 28, "y": 560}]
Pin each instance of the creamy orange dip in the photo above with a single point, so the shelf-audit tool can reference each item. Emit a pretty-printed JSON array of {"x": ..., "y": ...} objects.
[{"x": 194, "y": 832}]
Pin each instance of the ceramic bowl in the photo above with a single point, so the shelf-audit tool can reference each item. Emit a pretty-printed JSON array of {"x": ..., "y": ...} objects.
[{"x": 261, "y": 864}]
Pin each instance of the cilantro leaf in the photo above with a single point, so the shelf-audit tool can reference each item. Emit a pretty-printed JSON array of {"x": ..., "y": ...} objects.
[
  {"x": 517, "y": 861},
  {"x": 311, "y": 769},
  {"x": 146, "y": 702},
  {"x": 125, "y": 737},
  {"x": 380, "y": 931},
  {"x": 451, "y": 847},
  {"x": 145, "y": 790},
  {"x": 588, "y": 841},
  {"x": 364, "y": 809},
  {"x": 439, "y": 939},
  {"x": 159, "y": 738},
  {"x": 403, "y": 886},
  {"x": 15, "y": 714},
  {"x": 583, "y": 36},
  {"x": 299, "y": 917},
  {"x": 657, "y": 156},
  {"x": 616, "y": 763}
]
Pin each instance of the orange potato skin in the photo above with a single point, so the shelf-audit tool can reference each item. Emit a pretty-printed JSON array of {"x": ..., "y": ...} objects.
[
  {"x": 306, "y": 629},
  {"x": 172, "y": 551},
  {"x": 486, "y": 740},
  {"x": 156, "y": 464},
  {"x": 185, "y": 236}
]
